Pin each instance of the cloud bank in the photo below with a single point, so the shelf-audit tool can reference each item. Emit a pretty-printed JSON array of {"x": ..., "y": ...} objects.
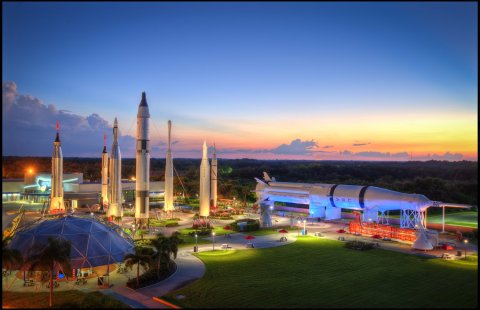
[{"x": 29, "y": 128}]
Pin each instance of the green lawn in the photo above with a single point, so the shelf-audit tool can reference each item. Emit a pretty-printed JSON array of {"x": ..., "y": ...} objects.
[
  {"x": 465, "y": 218},
  {"x": 61, "y": 299},
  {"x": 322, "y": 273},
  {"x": 270, "y": 231},
  {"x": 219, "y": 231}
]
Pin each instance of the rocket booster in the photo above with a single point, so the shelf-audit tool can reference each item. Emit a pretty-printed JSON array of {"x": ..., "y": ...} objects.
[
  {"x": 169, "y": 174},
  {"x": 56, "y": 194},
  {"x": 115, "y": 192},
  {"x": 104, "y": 172},
  {"x": 142, "y": 185},
  {"x": 204, "y": 183},
  {"x": 213, "y": 179}
]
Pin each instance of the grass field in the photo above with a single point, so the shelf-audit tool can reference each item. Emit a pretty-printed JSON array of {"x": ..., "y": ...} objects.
[
  {"x": 467, "y": 218},
  {"x": 464, "y": 218},
  {"x": 321, "y": 273},
  {"x": 62, "y": 299},
  {"x": 271, "y": 231}
]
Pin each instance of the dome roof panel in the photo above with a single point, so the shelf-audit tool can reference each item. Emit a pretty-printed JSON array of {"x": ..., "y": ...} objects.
[{"x": 93, "y": 243}]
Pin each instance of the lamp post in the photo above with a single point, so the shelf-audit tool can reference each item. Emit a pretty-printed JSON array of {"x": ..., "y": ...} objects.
[
  {"x": 133, "y": 231},
  {"x": 304, "y": 230},
  {"x": 213, "y": 243},
  {"x": 298, "y": 226},
  {"x": 196, "y": 243},
  {"x": 465, "y": 242}
]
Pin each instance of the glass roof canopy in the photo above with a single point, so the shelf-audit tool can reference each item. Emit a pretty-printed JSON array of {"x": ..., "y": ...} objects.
[{"x": 92, "y": 243}]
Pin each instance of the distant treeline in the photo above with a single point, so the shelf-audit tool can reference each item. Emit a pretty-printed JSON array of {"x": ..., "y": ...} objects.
[{"x": 438, "y": 180}]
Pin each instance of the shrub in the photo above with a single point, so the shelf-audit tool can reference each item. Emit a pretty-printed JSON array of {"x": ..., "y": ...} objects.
[
  {"x": 128, "y": 213},
  {"x": 151, "y": 276},
  {"x": 171, "y": 224},
  {"x": 359, "y": 245},
  {"x": 252, "y": 225},
  {"x": 202, "y": 232},
  {"x": 143, "y": 242}
]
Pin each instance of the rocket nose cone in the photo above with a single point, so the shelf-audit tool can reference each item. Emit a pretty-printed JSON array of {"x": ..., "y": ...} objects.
[
  {"x": 143, "y": 103},
  {"x": 204, "y": 149}
]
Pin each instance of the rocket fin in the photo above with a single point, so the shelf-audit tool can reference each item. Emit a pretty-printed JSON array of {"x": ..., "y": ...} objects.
[{"x": 266, "y": 177}]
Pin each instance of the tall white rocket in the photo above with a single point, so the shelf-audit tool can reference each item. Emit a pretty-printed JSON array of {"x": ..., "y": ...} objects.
[
  {"x": 204, "y": 183},
  {"x": 142, "y": 186},
  {"x": 169, "y": 174},
  {"x": 115, "y": 191},
  {"x": 213, "y": 179},
  {"x": 104, "y": 172},
  {"x": 56, "y": 194}
]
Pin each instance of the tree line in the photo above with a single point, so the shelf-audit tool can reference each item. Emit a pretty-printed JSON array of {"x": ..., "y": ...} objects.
[{"x": 445, "y": 181}]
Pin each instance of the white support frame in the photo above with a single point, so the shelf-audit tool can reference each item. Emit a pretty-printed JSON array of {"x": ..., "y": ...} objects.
[
  {"x": 412, "y": 219},
  {"x": 382, "y": 218}
]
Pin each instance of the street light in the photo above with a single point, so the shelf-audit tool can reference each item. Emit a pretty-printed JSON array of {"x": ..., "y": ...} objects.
[
  {"x": 465, "y": 241},
  {"x": 304, "y": 222},
  {"x": 213, "y": 243},
  {"x": 196, "y": 243},
  {"x": 133, "y": 230},
  {"x": 298, "y": 226}
]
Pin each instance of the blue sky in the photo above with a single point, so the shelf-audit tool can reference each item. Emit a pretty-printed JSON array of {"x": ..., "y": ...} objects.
[{"x": 239, "y": 73}]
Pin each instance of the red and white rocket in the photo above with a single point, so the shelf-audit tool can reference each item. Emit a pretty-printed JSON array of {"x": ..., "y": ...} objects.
[{"x": 56, "y": 194}]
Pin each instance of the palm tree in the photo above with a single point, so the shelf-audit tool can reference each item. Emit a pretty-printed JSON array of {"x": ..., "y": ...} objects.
[
  {"x": 141, "y": 256},
  {"x": 166, "y": 247},
  {"x": 55, "y": 254},
  {"x": 11, "y": 258}
]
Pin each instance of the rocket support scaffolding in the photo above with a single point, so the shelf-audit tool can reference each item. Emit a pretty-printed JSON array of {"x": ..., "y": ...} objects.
[{"x": 169, "y": 206}]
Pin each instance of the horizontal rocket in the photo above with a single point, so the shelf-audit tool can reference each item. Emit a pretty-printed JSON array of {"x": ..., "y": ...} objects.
[{"x": 352, "y": 197}]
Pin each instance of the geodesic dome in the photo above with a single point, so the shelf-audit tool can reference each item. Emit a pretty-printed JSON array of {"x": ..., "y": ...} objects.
[{"x": 92, "y": 242}]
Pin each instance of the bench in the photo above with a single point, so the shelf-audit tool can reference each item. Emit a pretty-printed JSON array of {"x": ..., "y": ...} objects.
[
  {"x": 226, "y": 246},
  {"x": 317, "y": 234},
  {"x": 283, "y": 239},
  {"x": 447, "y": 256}
]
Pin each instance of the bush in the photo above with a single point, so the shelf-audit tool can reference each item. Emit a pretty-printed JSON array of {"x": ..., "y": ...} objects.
[
  {"x": 171, "y": 224},
  {"x": 359, "y": 245},
  {"x": 151, "y": 276},
  {"x": 202, "y": 232},
  {"x": 252, "y": 225},
  {"x": 143, "y": 242},
  {"x": 128, "y": 213}
]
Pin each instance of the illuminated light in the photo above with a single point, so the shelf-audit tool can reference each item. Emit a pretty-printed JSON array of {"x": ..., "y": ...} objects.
[
  {"x": 70, "y": 180},
  {"x": 30, "y": 170},
  {"x": 132, "y": 178}
]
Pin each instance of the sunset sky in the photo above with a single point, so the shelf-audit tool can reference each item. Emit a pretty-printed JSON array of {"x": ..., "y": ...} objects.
[{"x": 286, "y": 80}]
